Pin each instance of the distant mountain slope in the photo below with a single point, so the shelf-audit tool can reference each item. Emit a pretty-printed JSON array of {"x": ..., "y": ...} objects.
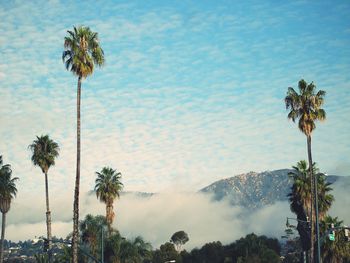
[{"x": 253, "y": 190}]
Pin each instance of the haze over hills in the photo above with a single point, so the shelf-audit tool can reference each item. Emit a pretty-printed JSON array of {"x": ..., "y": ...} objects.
[
  {"x": 254, "y": 190},
  {"x": 228, "y": 209}
]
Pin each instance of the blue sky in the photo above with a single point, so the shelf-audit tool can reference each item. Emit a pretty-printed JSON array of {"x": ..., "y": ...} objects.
[{"x": 191, "y": 92}]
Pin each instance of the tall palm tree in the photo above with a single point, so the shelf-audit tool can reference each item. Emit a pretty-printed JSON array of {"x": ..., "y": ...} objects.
[
  {"x": 8, "y": 191},
  {"x": 82, "y": 53},
  {"x": 305, "y": 107},
  {"x": 108, "y": 187},
  {"x": 44, "y": 152}
]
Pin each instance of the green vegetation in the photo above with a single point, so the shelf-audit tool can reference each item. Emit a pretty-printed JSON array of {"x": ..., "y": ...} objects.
[
  {"x": 82, "y": 53},
  {"x": 251, "y": 248},
  {"x": 90, "y": 229},
  {"x": 300, "y": 204},
  {"x": 300, "y": 198},
  {"x": 8, "y": 191},
  {"x": 117, "y": 249},
  {"x": 337, "y": 250},
  {"x": 44, "y": 152},
  {"x": 179, "y": 238}
]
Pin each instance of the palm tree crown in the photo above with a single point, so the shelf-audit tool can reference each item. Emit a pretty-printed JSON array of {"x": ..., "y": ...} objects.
[
  {"x": 82, "y": 51},
  {"x": 107, "y": 188},
  {"x": 305, "y": 106},
  {"x": 8, "y": 188},
  {"x": 8, "y": 191},
  {"x": 300, "y": 195},
  {"x": 108, "y": 184},
  {"x": 44, "y": 150}
]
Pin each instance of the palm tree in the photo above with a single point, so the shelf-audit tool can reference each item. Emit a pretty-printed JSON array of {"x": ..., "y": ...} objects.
[
  {"x": 107, "y": 188},
  {"x": 336, "y": 251},
  {"x": 44, "y": 152},
  {"x": 90, "y": 229},
  {"x": 128, "y": 252},
  {"x": 300, "y": 197},
  {"x": 300, "y": 201},
  {"x": 143, "y": 248},
  {"x": 325, "y": 199},
  {"x": 82, "y": 53},
  {"x": 8, "y": 191},
  {"x": 306, "y": 108},
  {"x": 112, "y": 247}
]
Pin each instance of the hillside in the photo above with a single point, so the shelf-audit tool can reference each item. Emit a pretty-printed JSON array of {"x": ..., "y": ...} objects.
[{"x": 254, "y": 190}]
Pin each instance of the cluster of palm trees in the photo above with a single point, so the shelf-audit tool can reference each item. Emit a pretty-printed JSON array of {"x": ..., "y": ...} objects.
[
  {"x": 301, "y": 204},
  {"x": 107, "y": 185},
  {"x": 113, "y": 247},
  {"x": 82, "y": 53},
  {"x": 310, "y": 197},
  {"x": 44, "y": 152}
]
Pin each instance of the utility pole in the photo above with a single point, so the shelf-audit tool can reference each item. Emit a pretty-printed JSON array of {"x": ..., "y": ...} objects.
[
  {"x": 102, "y": 246},
  {"x": 317, "y": 223}
]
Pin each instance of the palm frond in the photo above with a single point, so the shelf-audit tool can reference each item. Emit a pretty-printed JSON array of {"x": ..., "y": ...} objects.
[
  {"x": 302, "y": 86},
  {"x": 320, "y": 114}
]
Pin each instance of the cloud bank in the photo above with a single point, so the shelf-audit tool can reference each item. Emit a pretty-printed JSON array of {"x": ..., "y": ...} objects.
[
  {"x": 155, "y": 218},
  {"x": 158, "y": 216}
]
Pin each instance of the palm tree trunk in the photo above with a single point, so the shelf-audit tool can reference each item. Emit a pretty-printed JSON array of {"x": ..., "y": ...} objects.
[
  {"x": 2, "y": 237},
  {"x": 48, "y": 217},
  {"x": 77, "y": 181},
  {"x": 109, "y": 216},
  {"x": 312, "y": 218}
]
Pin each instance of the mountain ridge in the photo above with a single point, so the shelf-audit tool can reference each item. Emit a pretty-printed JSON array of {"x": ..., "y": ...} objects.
[
  {"x": 255, "y": 190},
  {"x": 251, "y": 190}
]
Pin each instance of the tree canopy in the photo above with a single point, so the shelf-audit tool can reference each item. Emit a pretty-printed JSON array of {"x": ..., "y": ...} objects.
[{"x": 179, "y": 238}]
